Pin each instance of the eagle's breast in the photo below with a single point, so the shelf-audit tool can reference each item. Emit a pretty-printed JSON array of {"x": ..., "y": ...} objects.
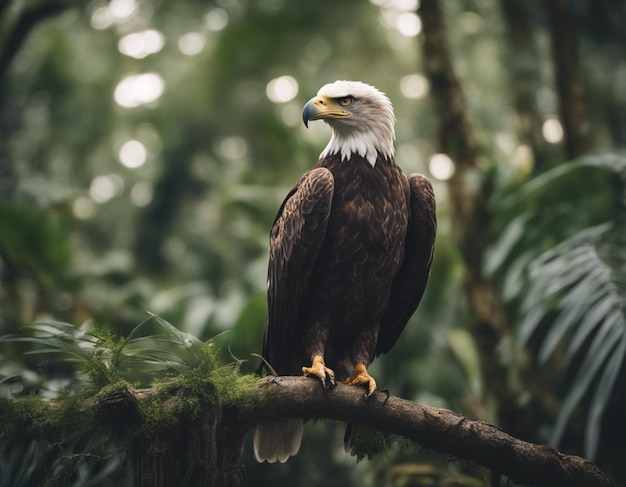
[{"x": 364, "y": 240}]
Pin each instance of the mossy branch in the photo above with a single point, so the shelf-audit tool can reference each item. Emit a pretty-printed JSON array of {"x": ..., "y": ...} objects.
[{"x": 275, "y": 398}]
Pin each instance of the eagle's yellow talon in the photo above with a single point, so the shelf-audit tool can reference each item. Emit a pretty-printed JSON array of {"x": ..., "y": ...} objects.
[
  {"x": 361, "y": 377},
  {"x": 319, "y": 370}
]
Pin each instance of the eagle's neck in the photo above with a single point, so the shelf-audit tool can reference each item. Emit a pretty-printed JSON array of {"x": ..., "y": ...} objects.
[{"x": 367, "y": 143}]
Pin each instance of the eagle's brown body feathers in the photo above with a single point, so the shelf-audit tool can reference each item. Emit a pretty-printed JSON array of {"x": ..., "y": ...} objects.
[
  {"x": 332, "y": 272},
  {"x": 350, "y": 253}
]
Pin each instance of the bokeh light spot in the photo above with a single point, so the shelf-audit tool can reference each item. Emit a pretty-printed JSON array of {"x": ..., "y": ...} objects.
[
  {"x": 408, "y": 24},
  {"x": 216, "y": 19},
  {"x": 523, "y": 160},
  {"x": 101, "y": 18},
  {"x": 83, "y": 208},
  {"x": 105, "y": 188},
  {"x": 441, "y": 166},
  {"x": 414, "y": 86},
  {"x": 552, "y": 130},
  {"x": 139, "y": 45},
  {"x": 405, "y": 5},
  {"x": 139, "y": 89},
  {"x": 282, "y": 89},
  {"x": 191, "y": 43},
  {"x": 133, "y": 154},
  {"x": 122, "y": 10}
]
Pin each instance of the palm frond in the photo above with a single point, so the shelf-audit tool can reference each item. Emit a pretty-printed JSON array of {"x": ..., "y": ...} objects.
[
  {"x": 555, "y": 271},
  {"x": 581, "y": 285},
  {"x": 610, "y": 161}
]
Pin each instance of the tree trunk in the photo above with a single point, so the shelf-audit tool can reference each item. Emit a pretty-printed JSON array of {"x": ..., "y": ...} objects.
[
  {"x": 472, "y": 216},
  {"x": 573, "y": 107},
  {"x": 523, "y": 64},
  {"x": 204, "y": 452}
]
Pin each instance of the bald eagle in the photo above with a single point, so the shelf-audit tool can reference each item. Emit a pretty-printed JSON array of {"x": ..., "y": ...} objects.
[{"x": 350, "y": 254}]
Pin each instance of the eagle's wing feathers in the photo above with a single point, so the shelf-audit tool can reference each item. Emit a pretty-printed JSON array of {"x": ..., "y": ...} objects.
[
  {"x": 410, "y": 281},
  {"x": 295, "y": 241}
]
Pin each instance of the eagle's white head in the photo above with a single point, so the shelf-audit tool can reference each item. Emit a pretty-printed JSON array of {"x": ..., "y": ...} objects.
[{"x": 360, "y": 116}]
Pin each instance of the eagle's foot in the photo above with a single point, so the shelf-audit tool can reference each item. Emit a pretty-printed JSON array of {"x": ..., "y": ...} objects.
[
  {"x": 361, "y": 377},
  {"x": 319, "y": 370}
]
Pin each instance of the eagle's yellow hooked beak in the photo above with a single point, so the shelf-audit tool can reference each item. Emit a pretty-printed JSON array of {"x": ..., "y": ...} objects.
[{"x": 321, "y": 107}]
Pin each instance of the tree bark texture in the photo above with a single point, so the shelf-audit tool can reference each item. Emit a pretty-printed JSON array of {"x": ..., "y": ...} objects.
[
  {"x": 471, "y": 213},
  {"x": 437, "y": 429}
]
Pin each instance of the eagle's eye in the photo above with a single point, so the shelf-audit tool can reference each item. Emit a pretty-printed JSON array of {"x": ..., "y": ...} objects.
[{"x": 346, "y": 101}]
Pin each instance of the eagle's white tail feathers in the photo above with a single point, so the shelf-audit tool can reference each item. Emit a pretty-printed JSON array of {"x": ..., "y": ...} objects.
[{"x": 278, "y": 441}]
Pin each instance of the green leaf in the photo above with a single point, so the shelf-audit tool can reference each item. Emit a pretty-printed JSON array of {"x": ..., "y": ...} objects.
[
  {"x": 601, "y": 398},
  {"x": 574, "y": 304},
  {"x": 508, "y": 239},
  {"x": 600, "y": 350},
  {"x": 597, "y": 314}
]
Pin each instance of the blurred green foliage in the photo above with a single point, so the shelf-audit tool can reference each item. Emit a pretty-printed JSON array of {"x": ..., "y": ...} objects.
[
  {"x": 77, "y": 441},
  {"x": 156, "y": 193}
]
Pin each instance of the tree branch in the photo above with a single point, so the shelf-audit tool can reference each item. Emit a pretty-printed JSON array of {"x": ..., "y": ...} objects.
[
  {"x": 276, "y": 398},
  {"x": 207, "y": 447}
]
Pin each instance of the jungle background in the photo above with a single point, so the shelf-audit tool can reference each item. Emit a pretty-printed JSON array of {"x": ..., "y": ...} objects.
[{"x": 145, "y": 147}]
